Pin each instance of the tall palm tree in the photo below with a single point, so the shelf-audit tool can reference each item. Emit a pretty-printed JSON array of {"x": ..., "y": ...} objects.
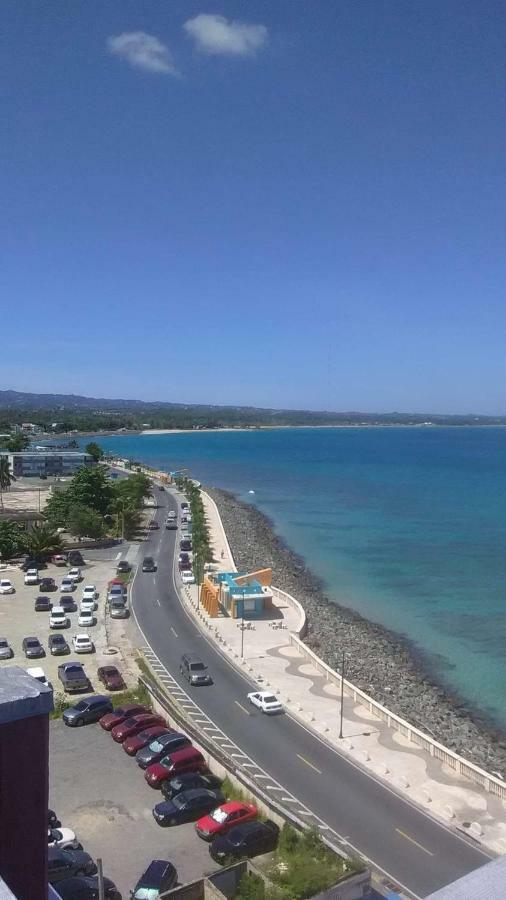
[
  {"x": 6, "y": 477},
  {"x": 42, "y": 541}
]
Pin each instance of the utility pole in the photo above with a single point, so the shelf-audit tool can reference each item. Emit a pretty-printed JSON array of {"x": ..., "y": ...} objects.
[
  {"x": 100, "y": 878},
  {"x": 342, "y": 699},
  {"x": 242, "y": 631}
]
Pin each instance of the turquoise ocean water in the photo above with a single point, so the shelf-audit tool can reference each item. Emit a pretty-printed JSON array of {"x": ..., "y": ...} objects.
[{"x": 405, "y": 525}]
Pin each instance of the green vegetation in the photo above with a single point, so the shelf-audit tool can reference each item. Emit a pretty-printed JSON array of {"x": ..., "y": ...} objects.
[
  {"x": 95, "y": 450},
  {"x": 83, "y": 521},
  {"x": 12, "y": 539},
  {"x": 200, "y": 533},
  {"x": 42, "y": 541},
  {"x": 15, "y": 442},
  {"x": 137, "y": 694},
  {"x": 6, "y": 478}
]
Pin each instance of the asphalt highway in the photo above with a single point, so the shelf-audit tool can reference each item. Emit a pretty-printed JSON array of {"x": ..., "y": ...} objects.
[{"x": 412, "y": 848}]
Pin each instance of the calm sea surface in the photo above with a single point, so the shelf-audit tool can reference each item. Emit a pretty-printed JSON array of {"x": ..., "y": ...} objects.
[{"x": 405, "y": 525}]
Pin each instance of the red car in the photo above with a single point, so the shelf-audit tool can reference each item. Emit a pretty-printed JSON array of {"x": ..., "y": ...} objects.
[
  {"x": 138, "y": 741},
  {"x": 119, "y": 715},
  {"x": 135, "y": 724},
  {"x": 223, "y": 818},
  {"x": 111, "y": 678}
]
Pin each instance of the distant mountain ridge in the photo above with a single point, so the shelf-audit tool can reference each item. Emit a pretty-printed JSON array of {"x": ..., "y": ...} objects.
[{"x": 75, "y": 404}]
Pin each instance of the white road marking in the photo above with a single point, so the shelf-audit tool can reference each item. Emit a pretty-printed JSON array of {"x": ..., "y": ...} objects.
[{"x": 174, "y": 632}]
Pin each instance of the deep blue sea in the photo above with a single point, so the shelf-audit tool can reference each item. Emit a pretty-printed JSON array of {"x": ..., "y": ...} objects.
[{"x": 405, "y": 525}]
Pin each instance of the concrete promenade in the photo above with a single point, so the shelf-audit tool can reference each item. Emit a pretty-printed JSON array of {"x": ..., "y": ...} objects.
[{"x": 264, "y": 652}]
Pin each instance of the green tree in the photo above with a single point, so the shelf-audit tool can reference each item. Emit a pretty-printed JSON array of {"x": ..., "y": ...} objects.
[
  {"x": 95, "y": 450},
  {"x": 82, "y": 521},
  {"x": 11, "y": 539},
  {"x": 131, "y": 491},
  {"x": 91, "y": 487},
  {"x": 6, "y": 477},
  {"x": 42, "y": 541},
  {"x": 57, "y": 508},
  {"x": 17, "y": 442}
]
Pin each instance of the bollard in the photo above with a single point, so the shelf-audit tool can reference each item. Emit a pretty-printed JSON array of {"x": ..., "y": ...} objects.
[
  {"x": 475, "y": 829},
  {"x": 449, "y": 812}
]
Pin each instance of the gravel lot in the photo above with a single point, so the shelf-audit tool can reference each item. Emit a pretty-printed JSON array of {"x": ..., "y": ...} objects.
[
  {"x": 100, "y": 792},
  {"x": 18, "y": 619}
]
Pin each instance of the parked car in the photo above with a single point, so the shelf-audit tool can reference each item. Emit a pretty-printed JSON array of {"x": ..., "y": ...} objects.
[
  {"x": 160, "y": 747},
  {"x": 185, "y": 566},
  {"x": 6, "y": 650},
  {"x": 171, "y": 524},
  {"x": 59, "y": 559},
  {"x": 225, "y": 817},
  {"x": 183, "y": 557},
  {"x": 43, "y": 604},
  {"x": 32, "y": 576},
  {"x": 67, "y": 603},
  {"x": 160, "y": 876},
  {"x": 111, "y": 678},
  {"x": 118, "y": 609},
  {"x": 153, "y": 525},
  {"x": 62, "y": 838},
  {"x": 186, "y": 806},
  {"x": 187, "y": 576},
  {"x": 52, "y": 819},
  {"x": 58, "y": 618},
  {"x": 82, "y": 643},
  {"x": 33, "y": 562},
  {"x": 32, "y": 648},
  {"x": 73, "y": 677},
  {"x": 75, "y": 558},
  {"x": 148, "y": 564},
  {"x": 121, "y": 713},
  {"x": 185, "y": 544},
  {"x": 187, "y": 759},
  {"x": 64, "y": 863},
  {"x": 85, "y": 887},
  {"x": 39, "y": 675},
  {"x": 87, "y": 606},
  {"x": 6, "y": 586},
  {"x": 265, "y": 701},
  {"x": 194, "y": 670},
  {"x": 48, "y": 584},
  {"x": 89, "y": 592},
  {"x": 116, "y": 591},
  {"x": 143, "y": 738},
  {"x": 86, "y": 619},
  {"x": 67, "y": 585},
  {"x": 247, "y": 840},
  {"x": 87, "y": 710},
  {"x": 190, "y": 781},
  {"x": 184, "y": 505},
  {"x": 57, "y": 645},
  {"x": 134, "y": 724},
  {"x": 123, "y": 566},
  {"x": 75, "y": 573}
]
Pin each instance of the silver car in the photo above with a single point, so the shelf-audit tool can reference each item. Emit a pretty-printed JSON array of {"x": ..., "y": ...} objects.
[{"x": 5, "y": 649}]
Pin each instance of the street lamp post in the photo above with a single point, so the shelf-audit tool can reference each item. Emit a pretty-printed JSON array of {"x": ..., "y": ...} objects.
[
  {"x": 342, "y": 699},
  {"x": 242, "y": 631}
]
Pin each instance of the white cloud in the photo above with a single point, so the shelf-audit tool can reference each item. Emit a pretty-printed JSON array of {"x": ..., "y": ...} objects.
[
  {"x": 214, "y": 34},
  {"x": 143, "y": 51}
]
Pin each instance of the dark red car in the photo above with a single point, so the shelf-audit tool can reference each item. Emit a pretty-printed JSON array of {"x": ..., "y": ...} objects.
[
  {"x": 138, "y": 741},
  {"x": 134, "y": 725},
  {"x": 223, "y": 818},
  {"x": 111, "y": 677},
  {"x": 119, "y": 715}
]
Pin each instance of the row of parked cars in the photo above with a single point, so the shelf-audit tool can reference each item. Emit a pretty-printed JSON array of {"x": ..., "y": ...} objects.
[
  {"x": 191, "y": 793},
  {"x": 70, "y": 869}
]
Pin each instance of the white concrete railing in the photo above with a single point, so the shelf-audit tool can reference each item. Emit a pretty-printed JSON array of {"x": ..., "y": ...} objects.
[{"x": 291, "y": 601}]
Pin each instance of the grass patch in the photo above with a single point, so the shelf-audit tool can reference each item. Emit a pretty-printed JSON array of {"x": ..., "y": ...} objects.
[
  {"x": 137, "y": 694},
  {"x": 124, "y": 577}
]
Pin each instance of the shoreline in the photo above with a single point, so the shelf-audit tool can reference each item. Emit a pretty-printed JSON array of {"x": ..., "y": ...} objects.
[{"x": 384, "y": 664}]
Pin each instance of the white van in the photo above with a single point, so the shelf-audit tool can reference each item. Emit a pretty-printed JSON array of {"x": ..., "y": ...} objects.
[{"x": 39, "y": 674}]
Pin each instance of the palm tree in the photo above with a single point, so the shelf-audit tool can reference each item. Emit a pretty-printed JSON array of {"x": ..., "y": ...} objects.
[
  {"x": 6, "y": 477},
  {"x": 42, "y": 541}
]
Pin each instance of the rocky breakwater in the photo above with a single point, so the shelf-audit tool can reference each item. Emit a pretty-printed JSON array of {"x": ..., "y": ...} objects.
[{"x": 382, "y": 664}]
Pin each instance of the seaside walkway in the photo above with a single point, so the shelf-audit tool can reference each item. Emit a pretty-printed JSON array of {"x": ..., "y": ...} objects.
[{"x": 264, "y": 652}]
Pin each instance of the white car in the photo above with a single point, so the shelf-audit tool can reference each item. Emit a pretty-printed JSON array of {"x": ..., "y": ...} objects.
[
  {"x": 75, "y": 573},
  {"x": 89, "y": 592},
  {"x": 268, "y": 703},
  {"x": 32, "y": 576},
  {"x": 87, "y": 606},
  {"x": 67, "y": 584},
  {"x": 82, "y": 643},
  {"x": 62, "y": 838},
  {"x": 86, "y": 618},
  {"x": 5, "y": 649},
  {"x": 58, "y": 618},
  {"x": 187, "y": 577},
  {"x": 39, "y": 674},
  {"x": 6, "y": 586}
]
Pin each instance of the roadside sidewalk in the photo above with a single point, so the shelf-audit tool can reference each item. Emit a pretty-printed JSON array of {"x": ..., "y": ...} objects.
[{"x": 263, "y": 650}]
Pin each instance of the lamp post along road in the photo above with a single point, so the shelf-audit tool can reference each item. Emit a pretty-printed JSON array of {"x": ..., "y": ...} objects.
[{"x": 342, "y": 699}]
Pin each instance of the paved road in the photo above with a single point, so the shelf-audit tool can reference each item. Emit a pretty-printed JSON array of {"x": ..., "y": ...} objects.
[{"x": 411, "y": 847}]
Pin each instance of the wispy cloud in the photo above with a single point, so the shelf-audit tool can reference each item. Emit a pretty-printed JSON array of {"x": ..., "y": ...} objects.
[
  {"x": 143, "y": 51},
  {"x": 215, "y": 34}
]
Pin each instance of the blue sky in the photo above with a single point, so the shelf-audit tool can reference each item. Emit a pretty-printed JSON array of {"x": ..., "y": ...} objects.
[{"x": 290, "y": 203}]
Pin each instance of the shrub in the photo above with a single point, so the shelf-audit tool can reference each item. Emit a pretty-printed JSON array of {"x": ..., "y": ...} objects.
[{"x": 250, "y": 887}]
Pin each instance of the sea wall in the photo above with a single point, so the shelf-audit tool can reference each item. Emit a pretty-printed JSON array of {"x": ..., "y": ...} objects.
[{"x": 379, "y": 662}]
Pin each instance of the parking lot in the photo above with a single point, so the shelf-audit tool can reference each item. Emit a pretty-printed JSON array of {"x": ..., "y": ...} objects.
[
  {"x": 18, "y": 620},
  {"x": 100, "y": 793}
]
